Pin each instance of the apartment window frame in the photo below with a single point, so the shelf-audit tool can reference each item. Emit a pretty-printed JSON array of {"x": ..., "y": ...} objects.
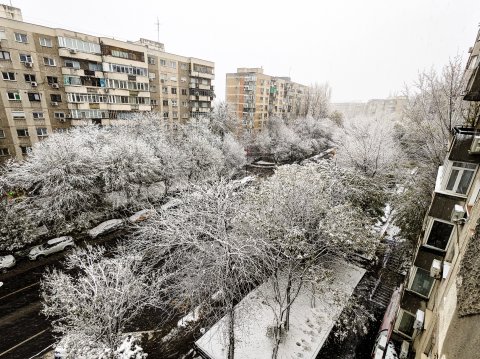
[
  {"x": 45, "y": 41},
  {"x": 165, "y": 102},
  {"x": 30, "y": 78},
  {"x": 2, "y": 134},
  {"x": 22, "y": 132},
  {"x": 34, "y": 97},
  {"x": 52, "y": 80},
  {"x": 58, "y": 115},
  {"x": 9, "y": 76},
  {"x": 417, "y": 274},
  {"x": 14, "y": 96},
  {"x": 5, "y": 56},
  {"x": 49, "y": 61},
  {"x": 25, "y": 58},
  {"x": 72, "y": 64},
  {"x": 20, "y": 37},
  {"x": 4, "y": 152},
  {"x": 42, "y": 132},
  {"x": 18, "y": 115},
  {"x": 173, "y": 90},
  {"x": 428, "y": 232},
  {"x": 151, "y": 60},
  {"x": 55, "y": 97},
  {"x": 26, "y": 150},
  {"x": 184, "y": 92},
  {"x": 398, "y": 323},
  {"x": 38, "y": 115},
  {"x": 457, "y": 172}
]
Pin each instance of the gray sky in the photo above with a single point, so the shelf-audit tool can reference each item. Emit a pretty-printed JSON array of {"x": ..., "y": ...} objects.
[{"x": 363, "y": 48}]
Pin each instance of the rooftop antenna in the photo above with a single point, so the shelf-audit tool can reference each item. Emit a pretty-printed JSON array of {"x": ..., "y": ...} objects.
[{"x": 158, "y": 29}]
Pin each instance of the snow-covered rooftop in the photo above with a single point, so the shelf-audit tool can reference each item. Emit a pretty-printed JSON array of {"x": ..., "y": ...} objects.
[{"x": 309, "y": 327}]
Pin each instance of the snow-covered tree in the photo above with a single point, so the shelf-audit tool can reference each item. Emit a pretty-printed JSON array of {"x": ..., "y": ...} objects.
[
  {"x": 304, "y": 214},
  {"x": 97, "y": 296},
  {"x": 316, "y": 101}
]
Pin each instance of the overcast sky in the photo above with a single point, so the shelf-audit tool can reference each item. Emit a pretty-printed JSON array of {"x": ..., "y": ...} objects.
[{"x": 363, "y": 48}]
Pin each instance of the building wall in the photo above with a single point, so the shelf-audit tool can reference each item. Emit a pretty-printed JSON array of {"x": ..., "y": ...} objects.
[{"x": 97, "y": 80}]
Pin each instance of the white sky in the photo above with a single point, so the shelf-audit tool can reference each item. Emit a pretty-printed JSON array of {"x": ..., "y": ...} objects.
[{"x": 363, "y": 48}]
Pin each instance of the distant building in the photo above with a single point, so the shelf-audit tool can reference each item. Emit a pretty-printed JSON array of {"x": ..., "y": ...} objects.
[
  {"x": 254, "y": 97},
  {"x": 391, "y": 107},
  {"x": 55, "y": 78},
  {"x": 439, "y": 314}
]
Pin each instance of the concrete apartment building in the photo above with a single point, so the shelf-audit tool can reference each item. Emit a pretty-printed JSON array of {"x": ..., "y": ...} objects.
[
  {"x": 254, "y": 97},
  {"x": 55, "y": 78},
  {"x": 391, "y": 107},
  {"x": 439, "y": 310}
]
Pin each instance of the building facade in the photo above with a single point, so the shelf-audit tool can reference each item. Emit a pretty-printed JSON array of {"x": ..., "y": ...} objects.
[
  {"x": 439, "y": 314},
  {"x": 391, "y": 107},
  {"x": 55, "y": 78},
  {"x": 254, "y": 97}
]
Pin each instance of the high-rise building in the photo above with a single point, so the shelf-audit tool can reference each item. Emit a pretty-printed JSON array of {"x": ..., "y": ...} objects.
[
  {"x": 254, "y": 97},
  {"x": 55, "y": 78}
]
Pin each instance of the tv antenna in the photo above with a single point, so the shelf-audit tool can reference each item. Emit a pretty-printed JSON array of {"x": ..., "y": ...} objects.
[{"x": 158, "y": 29}]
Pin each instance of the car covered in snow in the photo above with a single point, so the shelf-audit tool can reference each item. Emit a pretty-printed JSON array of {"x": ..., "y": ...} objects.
[
  {"x": 105, "y": 227},
  {"x": 7, "y": 261},
  {"x": 141, "y": 215},
  {"x": 52, "y": 246}
]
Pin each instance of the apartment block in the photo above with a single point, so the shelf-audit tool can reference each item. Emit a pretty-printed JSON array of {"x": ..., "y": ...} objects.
[
  {"x": 55, "y": 78},
  {"x": 439, "y": 309},
  {"x": 390, "y": 108},
  {"x": 254, "y": 97}
]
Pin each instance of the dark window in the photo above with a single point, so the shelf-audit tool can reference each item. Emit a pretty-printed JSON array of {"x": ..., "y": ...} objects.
[
  {"x": 184, "y": 91},
  {"x": 25, "y": 150},
  {"x": 52, "y": 80},
  {"x": 33, "y": 96},
  {"x": 165, "y": 102},
  {"x": 174, "y": 90},
  {"x": 22, "y": 133},
  {"x": 8, "y": 76},
  {"x": 440, "y": 234},
  {"x": 56, "y": 98},
  {"x": 4, "y": 152},
  {"x": 406, "y": 324},
  {"x": 30, "y": 78},
  {"x": 4, "y": 55}
]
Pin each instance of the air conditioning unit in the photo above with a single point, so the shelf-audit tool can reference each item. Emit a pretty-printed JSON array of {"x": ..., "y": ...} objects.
[
  {"x": 436, "y": 269},
  {"x": 55, "y": 86},
  {"x": 106, "y": 90},
  {"x": 404, "y": 350},
  {"x": 419, "y": 318},
  {"x": 62, "y": 120},
  {"x": 28, "y": 64},
  {"x": 458, "y": 213},
  {"x": 34, "y": 84},
  {"x": 475, "y": 147},
  {"x": 68, "y": 116},
  {"x": 54, "y": 103},
  {"x": 73, "y": 51}
]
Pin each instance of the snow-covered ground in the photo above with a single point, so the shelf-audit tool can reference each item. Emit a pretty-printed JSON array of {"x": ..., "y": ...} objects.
[{"x": 309, "y": 327}]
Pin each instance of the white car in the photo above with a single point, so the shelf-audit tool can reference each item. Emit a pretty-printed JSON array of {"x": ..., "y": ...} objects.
[
  {"x": 141, "y": 215},
  {"x": 105, "y": 227},
  {"x": 7, "y": 261},
  {"x": 52, "y": 246}
]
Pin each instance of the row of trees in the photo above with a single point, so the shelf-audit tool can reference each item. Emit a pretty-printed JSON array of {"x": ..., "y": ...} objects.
[{"x": 220, "y": 243}]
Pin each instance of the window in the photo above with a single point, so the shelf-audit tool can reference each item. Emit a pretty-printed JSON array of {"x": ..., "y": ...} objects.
[
  {"x": 42, "y": 132},
  {"x": 33, "y": 96},
  {"x": 172, "y": 64},
  {"x": 439, "y": 234},
  {"x": 52, "y": 80},
  {"x": 165, "y": 102},
  {"x": 2, "y": 134},
  {"x": 20, "y": 37},
  {"x": 30, "y": 78},
  {"x": 175, "y": 114},
  {"x": 184, "y": 103},
  {"x": 4, "y": 55},
  {"x": 45, "y": 41},
  {"x": 37, "y": 115},
  {"x": 4, "y": 152},
  {"x": 151, "y": 60},
  {"x": 404, "y": 323},
  {"x": 165, "y": 90},
  {"x": 18, "y": 115},
  {"x": 48, "y": 61},
  {"x": 22, "y": 132},
  {"x": 165, "y": 114},
  {"x": 184, "y": 66},
  {"x": 56, "y": 98},
  {"x": 3, "y": 35},
  {"x": 174, "y": 91},
  {"x": 72, "y": 80},
  {"x": 59, "y": 115},
  {"x": 184, "y": 92},
  {"x": 25, "y": 150},
  {"x": 72, "y": 63},
  {"x": 460, "y": 177},
  {"x": 9, "y": 76},
  {"x": 422, "y": 283},
  {"x": 174, "y": 103},
  {"x": 25, "y": 58},
  {"x": 163, "y": 62},
  {"x": 13, "y": 96},
  {"x": 79, "y": 45}
]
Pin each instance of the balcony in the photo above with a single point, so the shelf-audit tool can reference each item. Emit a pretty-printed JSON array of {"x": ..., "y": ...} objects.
[
  {"x": 74, "y": 54},
  {"x": 472, "y": 89},
  {"x": 202, "y": 75}
]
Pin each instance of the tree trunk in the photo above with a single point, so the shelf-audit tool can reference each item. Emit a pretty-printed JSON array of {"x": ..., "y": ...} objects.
[
  {"x": 277, "y": 332},
  {"x": 288, "y": 290},
  {"x": 231, "y": 331}
]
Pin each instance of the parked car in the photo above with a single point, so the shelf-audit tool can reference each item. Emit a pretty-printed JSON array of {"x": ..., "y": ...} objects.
[
  {"x": 52, "y": 246},
  {"x": 7, "y": 261},
  {"x": 141, "y": 215},
  {"x": 105, "y": 227}
]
